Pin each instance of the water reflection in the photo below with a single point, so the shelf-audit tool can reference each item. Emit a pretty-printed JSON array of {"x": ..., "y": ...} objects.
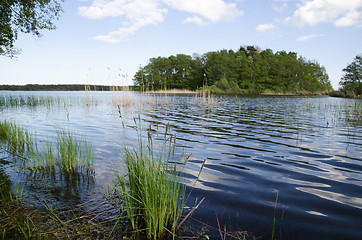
[
  {"x": 5, "y": 183},
  {"x": 307, "y": 149},
  {"x": 63, "y": 187},
  {"x": 337, "y": 197}
]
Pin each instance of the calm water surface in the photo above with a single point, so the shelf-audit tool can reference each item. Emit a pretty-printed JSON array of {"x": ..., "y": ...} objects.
[{"x": 308, "y": 150}]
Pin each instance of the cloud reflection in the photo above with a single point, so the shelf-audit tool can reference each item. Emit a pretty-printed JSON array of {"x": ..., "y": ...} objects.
[{"x": 332, "y": 196}]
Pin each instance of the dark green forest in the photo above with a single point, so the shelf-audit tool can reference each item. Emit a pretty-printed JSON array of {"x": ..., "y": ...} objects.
[{"x": 246, "y": 71}]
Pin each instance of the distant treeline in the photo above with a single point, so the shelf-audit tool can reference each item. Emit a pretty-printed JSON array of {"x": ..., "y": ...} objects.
[
  {"x": 248, "y": 70},
  {"x": 60, "y": 87}
]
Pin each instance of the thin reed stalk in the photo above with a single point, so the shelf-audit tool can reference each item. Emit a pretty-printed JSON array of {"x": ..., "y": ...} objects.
[{"x": 274, "y": 220}]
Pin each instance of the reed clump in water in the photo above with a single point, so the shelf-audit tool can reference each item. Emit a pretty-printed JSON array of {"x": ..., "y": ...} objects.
[
  {"x": 16, "y": 139},
  {"x": 30, "y": 101},
  {"x": 20, "y": 220},
  {"x": 71, "y": 153},
  {"x": 151, "y": 193},
  {"x": 68, "y": 153}
]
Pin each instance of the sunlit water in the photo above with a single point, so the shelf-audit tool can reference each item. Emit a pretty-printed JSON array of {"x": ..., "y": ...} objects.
[{"x": 308, "y": 150}]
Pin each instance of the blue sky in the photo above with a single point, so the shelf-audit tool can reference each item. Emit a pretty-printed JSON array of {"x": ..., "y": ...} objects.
[{"x": 105, "y": 41}]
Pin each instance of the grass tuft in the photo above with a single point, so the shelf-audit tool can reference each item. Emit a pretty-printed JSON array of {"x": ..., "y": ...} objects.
[
  {"x": 72, "y": 154},
  {"x": 68, "y": 153},
  {"x": 152, "y": 193}
]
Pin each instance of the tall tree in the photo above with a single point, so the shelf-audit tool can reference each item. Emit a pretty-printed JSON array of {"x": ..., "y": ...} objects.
[
  {"x": 181, "y": 71},
  {"x": 197, "y": 72},
  {"x": 27, "y": 16},
  {"x": 351, "y": 80}
]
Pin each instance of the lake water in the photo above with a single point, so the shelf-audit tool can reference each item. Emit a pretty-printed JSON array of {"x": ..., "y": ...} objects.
[{"x": 308, "y": 150}]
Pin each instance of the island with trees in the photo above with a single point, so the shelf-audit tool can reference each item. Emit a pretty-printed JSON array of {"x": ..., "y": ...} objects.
[{"x": 246, "y": 71}]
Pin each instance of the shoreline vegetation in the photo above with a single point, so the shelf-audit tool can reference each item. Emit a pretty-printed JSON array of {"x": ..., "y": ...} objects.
[
  {"x": 208, "y": 91},
  {"x": 344, "y": 94},
  {"x": 204, "y": 90}
]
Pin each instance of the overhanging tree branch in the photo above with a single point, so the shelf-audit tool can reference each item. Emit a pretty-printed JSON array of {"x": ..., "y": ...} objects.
[{"x": 28, "y": 16}]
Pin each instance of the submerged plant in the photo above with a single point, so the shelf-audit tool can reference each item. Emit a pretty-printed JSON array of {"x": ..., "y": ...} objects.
[
  {"x": 21, "y": 220},
  {"x": 151, "y": 193}
]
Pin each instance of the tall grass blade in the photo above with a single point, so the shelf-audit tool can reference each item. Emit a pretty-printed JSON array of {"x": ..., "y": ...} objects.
[{"x": 274, "y": 220}]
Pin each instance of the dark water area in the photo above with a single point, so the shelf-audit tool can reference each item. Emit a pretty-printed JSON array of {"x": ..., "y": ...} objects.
[{"x": 306, "y": 150}]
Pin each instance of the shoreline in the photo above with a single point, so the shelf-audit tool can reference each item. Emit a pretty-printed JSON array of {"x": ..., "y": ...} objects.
[{"x": 179, "y": 91}]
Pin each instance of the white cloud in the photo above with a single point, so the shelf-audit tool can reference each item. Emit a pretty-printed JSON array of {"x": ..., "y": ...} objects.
[
  {"x": 100, "y": 9},
  {"x": 195, "y": 19},
  {"x": 351, "y": 18},
  {"x": 136, "y": 14},
  {"x": 130, "y": 9},
  {"x": 116, "y": 36},
  {"x": 341, "y": 13},
  {"x": 265, "y": 27},
  {"x": 139, "y": 13},
  {"x": 280, "y": 7},
  {"x": 308, "y": 37},
  {"x": 213, "y": 10}
]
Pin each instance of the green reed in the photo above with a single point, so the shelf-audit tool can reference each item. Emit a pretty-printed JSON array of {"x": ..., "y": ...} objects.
[
  {"x": 16, "y": 138},
  {"x": 13, "y": 221},
  {"x": 20, "y": 220},
  {"x": 67, "y": 154},
  {"x": 44, "y": 159},
  {"x": 72, "y": 153},
  {"x": 31, "y": 101},
  {"x": 151, "y": 193},
  {"x": 68, "y": 151}
]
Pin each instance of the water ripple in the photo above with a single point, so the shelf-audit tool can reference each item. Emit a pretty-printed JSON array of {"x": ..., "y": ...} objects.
[{"x": 306, "y": 149}]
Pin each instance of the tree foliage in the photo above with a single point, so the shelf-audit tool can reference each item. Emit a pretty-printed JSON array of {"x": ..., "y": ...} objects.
[
  {"x": 351, "y": 80},
  {"x": 27, "y": 16},
  {"x": 248, "y": 70}
]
